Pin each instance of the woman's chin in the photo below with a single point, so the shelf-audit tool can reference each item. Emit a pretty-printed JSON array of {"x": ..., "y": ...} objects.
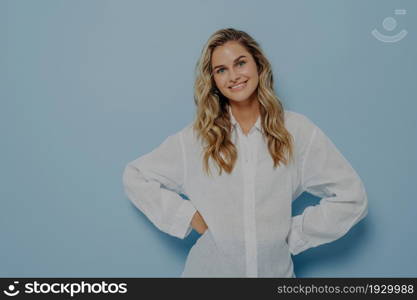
[{"x": 240, "y": 98}]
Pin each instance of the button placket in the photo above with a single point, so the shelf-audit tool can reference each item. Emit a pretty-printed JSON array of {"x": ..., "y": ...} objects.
[{"x": 246, "y": 148}]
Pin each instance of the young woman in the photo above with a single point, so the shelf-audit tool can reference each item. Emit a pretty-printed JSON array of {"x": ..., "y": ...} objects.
[{"x": 265, "y": 157}]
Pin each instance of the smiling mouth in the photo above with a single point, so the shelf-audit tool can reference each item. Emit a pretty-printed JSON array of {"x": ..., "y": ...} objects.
[{"x": 239, "y": 86}]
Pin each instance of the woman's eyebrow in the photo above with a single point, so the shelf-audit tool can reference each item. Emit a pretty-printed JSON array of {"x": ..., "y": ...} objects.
[{"x": 233, "y": 61}]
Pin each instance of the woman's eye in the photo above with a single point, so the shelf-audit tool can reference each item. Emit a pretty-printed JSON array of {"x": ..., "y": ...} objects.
[{"x": 241, "y": 63}]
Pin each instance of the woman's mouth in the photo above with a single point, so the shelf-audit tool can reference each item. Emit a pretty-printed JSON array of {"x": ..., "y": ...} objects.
[{"x": 239, "y": 87}]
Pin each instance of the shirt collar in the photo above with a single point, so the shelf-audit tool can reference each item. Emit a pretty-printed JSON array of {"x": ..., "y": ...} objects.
[{"x": 234, "y": 121}]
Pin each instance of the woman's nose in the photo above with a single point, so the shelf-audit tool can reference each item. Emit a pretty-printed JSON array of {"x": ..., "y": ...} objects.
[{"x": 234, "y": 76}]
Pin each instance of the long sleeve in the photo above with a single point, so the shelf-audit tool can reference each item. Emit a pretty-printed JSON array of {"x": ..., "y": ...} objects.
[
  {"x": 325, "y": 173},
  {"x": 154, "y": 182}
]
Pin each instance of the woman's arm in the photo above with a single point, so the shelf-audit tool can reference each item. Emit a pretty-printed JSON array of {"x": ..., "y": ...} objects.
[
  {"x": 327, "y": 174},
  {"x": 153, "y": 183}
]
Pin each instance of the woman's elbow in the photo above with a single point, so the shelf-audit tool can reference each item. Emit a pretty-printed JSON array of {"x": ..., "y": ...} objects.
[
  {"x": 129, "y": 177},
  {"x": 362, "y": 199}
]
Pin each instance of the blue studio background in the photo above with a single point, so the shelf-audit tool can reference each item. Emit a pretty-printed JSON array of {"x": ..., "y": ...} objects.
[{"x": 87, "y": 86}]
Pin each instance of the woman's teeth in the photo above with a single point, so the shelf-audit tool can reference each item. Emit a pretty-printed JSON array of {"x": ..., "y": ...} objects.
[{"x": 239, "y": 86}]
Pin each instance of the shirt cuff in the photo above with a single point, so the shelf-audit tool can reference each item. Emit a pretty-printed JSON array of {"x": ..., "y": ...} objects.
[
  {"x": 296, "y": 243},
  {"x": 181, "y": 227}
]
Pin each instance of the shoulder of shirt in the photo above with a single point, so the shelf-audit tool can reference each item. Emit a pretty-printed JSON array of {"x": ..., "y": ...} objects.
[
  {"x": 295, "y": 120},
  {"x": 183, "y": 131},
  {"x": 186, "y": 129}
]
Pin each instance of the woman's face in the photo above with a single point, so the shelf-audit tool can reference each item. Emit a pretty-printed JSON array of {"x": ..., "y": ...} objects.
[{"x": 234, "y": 71}]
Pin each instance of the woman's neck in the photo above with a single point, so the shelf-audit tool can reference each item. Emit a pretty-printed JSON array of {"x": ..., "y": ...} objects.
[{"x": 245, "y": 113}]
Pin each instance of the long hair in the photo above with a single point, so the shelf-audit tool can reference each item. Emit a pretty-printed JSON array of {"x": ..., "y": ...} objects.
[{"x": 212, "y": 123}]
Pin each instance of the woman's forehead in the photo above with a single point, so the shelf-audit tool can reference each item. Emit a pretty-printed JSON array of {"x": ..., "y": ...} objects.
[{"x": 228, "y": 52}]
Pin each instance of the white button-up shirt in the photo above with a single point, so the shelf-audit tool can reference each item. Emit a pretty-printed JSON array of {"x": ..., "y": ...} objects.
[{"x": 251, "y": 231}]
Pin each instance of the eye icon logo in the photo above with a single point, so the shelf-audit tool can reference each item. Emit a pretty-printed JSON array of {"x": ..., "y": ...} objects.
[
  {"x": 11, "y": 289},
  {"x": 390, "y": 24}
]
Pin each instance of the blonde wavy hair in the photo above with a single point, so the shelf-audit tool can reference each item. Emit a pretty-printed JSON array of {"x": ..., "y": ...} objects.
[{"x": 212, "y": 122}]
